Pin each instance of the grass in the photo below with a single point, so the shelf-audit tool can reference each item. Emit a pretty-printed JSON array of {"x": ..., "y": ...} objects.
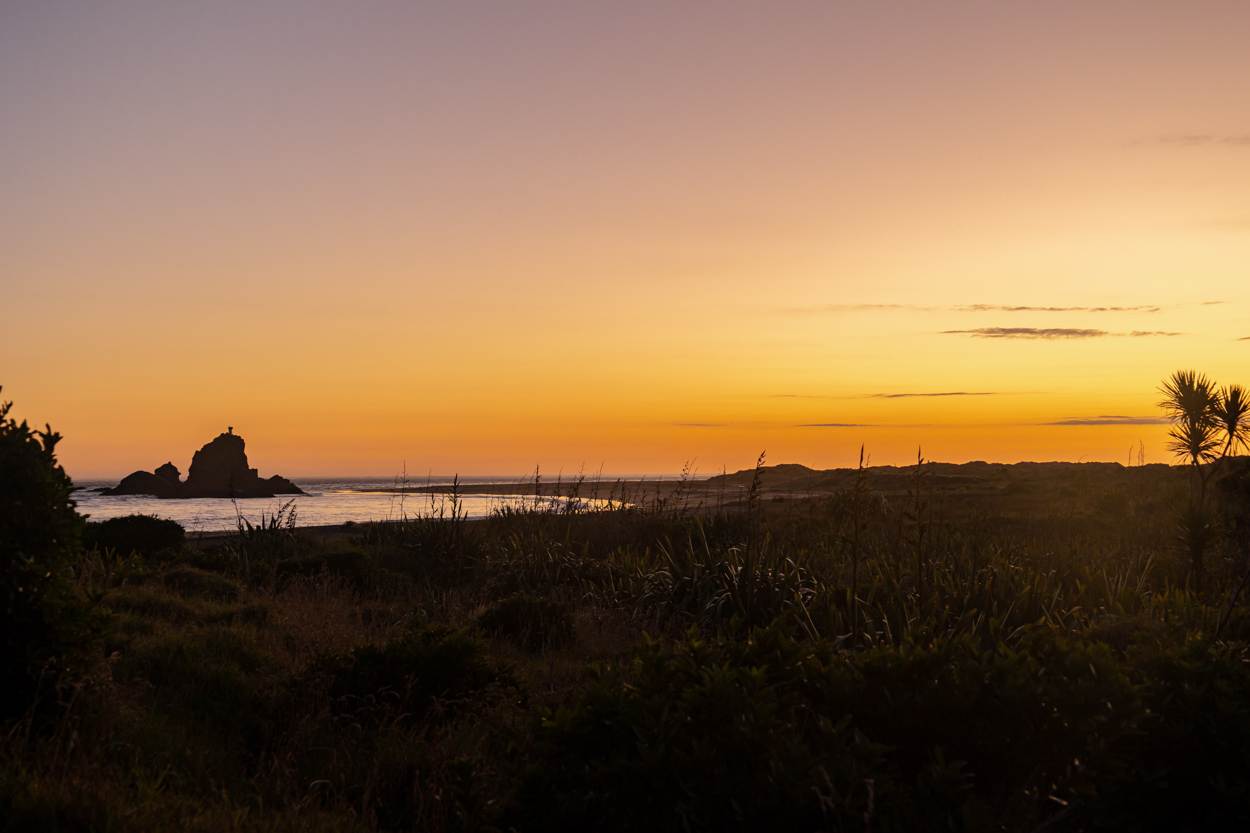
[
  {"x": 531, "y": 622},
  {"x": 856, "y": 660}
]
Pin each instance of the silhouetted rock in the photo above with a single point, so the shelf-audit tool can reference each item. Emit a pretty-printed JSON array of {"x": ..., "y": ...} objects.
[
  {"x": 169, "y": 472},
  {"x": 279, "y": 485},
  {"x": 219, "y": 469},
  {"x": 145, "y": 483}
]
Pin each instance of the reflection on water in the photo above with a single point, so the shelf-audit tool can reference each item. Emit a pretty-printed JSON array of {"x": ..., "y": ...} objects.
[{"x": 327, "y": 502}]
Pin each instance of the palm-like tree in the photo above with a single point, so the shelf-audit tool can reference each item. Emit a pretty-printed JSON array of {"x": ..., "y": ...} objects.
[
  {"x": 1208, "y": 425},
  {"x": 1192, "y": 403},
  {"x": 1232, "y": 415}
]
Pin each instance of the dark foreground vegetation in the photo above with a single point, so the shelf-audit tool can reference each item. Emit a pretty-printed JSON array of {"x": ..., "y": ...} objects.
[{"x": 846, "y": 662}]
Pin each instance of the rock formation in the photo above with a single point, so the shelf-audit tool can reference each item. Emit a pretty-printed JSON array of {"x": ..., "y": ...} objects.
[
  {"x": 219, "y": 469},
  {"x": 145, "y": 483},
  {"x": 169, "y": 472}
]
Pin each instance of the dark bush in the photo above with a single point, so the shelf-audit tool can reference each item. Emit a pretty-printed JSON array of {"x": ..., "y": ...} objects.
[
  {"x": 354, "y": 567},
  {"x": 695, "y": 736},
  {"x": 772, "y": 733},
  {"x": 144, "y": 534},
  {"x": 152, "y": 603},
  {"x": 25, "y": 808},
  {"x": 211, "y": 680},
  {"x": 413, "y": 673},
  {"x": 39, "y": 536},
  {"x": 531, "y": 622},
  {"x": 443, "y": 550},
  {"x": 200, "y": 584},
  {"x": 1188, "y": 769}
]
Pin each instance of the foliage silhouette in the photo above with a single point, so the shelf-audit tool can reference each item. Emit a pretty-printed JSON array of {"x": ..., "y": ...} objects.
[
  {"x": 532, "y": 622},
  {"x": 143, "y": 534},
  {"x": 1232, "y": 414},
  {"x": 1207, "y": 425},
  {"x": 40, "y": 534}
]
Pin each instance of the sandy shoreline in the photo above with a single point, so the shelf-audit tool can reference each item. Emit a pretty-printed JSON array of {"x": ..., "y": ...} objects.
[
  {"x": 692, "y": 494},
  {"x": 628, "y": 491}
]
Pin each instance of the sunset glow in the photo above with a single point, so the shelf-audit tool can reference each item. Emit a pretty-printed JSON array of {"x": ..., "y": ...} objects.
[{"x": 477, "y": 239}]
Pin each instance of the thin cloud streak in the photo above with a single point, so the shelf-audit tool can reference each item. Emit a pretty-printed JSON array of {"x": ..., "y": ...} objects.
[
  {"x": 817, "y": 309},
  {"x": 939, "y": 393},
  {"x": 1191, "y": 140},
  {"x": 974, "y": 308},
  {"x": 1023, "y": 308},
  {"x": 1055, "y": 333},
  {"x": 797, "y": 396},
  {"x": 1029, "y": 332},
  {"x": 908, "y": 425},
  {"x": 1109, "y": 419},
  {"x": 903, "y": 395}
]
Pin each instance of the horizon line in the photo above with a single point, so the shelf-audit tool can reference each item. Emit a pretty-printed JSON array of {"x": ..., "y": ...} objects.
[{"x": 487, "y": 479}]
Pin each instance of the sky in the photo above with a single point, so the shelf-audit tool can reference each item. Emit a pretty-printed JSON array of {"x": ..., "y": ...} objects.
[{"x": 483, "y": 237}]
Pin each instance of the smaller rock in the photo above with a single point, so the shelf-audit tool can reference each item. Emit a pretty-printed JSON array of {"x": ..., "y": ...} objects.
[
  {"x": 279, "y": 485},
  {"x": 145, "y": 483},
  {"x": 169, "y": 472}
]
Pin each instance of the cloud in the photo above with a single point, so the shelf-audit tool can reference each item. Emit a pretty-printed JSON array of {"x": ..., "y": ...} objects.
[
  {"x": 939, "y": 393},
  {"x": 1022, "y": 308},
  {"x": 1053, "y": 333},
  {"x": 1244, "y": 338},
  {"x": 1110, "y": 419},
  {"x": 819, "y": 308},
  {"x": 832, "y": 308},
  {"x": 1028, "y": 332},
  {"x": 796, "y": 396},
  {"x": 1191, "y": 140},
  {"x": 836, "y": 425},
  {"x": 891, "y": 395}
]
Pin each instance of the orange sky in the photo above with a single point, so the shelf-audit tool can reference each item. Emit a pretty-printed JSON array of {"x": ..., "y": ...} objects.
[{"x": 487, "y": 237}]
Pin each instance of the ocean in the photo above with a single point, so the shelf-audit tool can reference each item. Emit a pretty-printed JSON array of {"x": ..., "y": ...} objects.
[{"x": 328, "y": 501}]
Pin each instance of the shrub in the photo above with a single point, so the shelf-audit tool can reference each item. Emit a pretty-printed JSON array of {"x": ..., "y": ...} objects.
[
  {"x": 446, "y": 550},
  {"x": 211, "y": 679},
  {"x": 414, "y": 672},
  {"x": 691, "y": 737},
  {"x": 200, "y": 584},
  {"x": 533, "y": 623},
  {"x": 147, "y": 535},
  {"x": 773, "y": 733},
  {"x": 354, "y": 567},
  {"x": 152, "y": 603},
  {"x": 39, "y": 534},
  {"x": 1187, "y": 768},
  {"x": 258, "y": 548}
]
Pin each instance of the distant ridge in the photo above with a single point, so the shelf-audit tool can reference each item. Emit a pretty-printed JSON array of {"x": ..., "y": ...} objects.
[{"x": 794, "y": 477}]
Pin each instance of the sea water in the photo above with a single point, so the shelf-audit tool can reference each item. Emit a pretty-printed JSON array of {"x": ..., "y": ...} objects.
[{"x": 328, "y": 501}]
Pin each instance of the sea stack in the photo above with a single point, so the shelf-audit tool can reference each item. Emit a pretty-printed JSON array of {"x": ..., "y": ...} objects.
[{"x": 218, "y": 469}]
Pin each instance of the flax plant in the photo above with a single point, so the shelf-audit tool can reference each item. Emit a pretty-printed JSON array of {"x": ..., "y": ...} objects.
[{"x": 1208, "y": 424}]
